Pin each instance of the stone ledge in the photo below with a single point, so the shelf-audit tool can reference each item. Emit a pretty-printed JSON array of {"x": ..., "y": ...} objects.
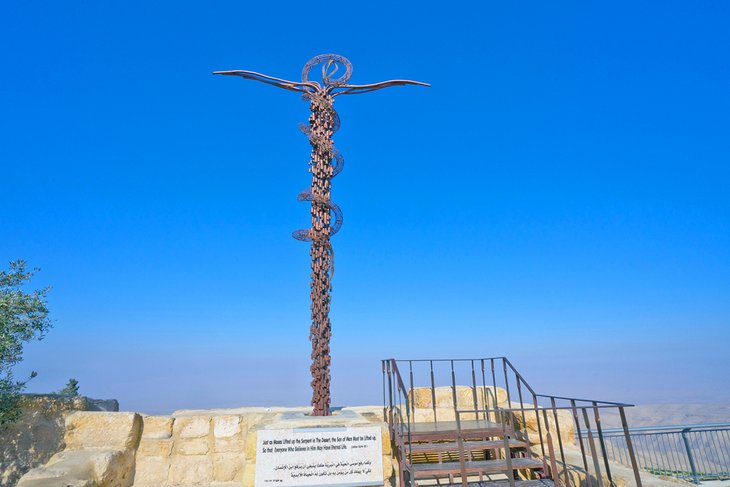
[
  {"x": 157, "y": 427},
  {"x": 83, "y": 468},
  {"x": 103, "y": 430}
]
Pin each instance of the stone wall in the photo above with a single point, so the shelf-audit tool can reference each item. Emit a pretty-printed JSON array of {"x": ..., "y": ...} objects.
[
  {"x": 188, "y": 448},
  {"x": 38, "y": 434},
  {"x": 204, "y": 447},
  {"x": 218, "y": 447}
]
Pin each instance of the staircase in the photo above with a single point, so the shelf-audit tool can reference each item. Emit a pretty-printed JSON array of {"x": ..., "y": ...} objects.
[
  {"x": 471, "y": 451},
  {"x": 478, "y": 423}
]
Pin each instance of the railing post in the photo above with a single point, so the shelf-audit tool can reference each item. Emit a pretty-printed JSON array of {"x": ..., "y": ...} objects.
[
  {"x": 485, "y": 403},
  {"x": 560, "y": 440},
  {"x": 592, "y": 444},
  {"x": 433, "y": 393},
  {"x": 602, "y": 442},
  {"x": 539, "y": 427},
  {"x": 629, "y": 446},
  {"x": 453, "y": 385},
  {"x": 690, "y": 456},
  {"x": 506, "y": 383},
  {"x": 507, "y": 449},
  {"x": 385, "y": 394},
  {"x": 494, "y": 388},
  {"x": 462, "y": 455},
  {"x": 554, "y": 474},
  {"x": 390, "y": 396},
  {"x": 411, "y": 392},
  {"x": 518, "y": 378},
  {"x": 579, "y": 435},
  {"x": 474, "y": 392}
]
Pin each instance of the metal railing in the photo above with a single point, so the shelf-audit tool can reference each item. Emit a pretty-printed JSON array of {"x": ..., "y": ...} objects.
[
  {"x": 695, "y": 452},
  {"x": 493, "y": 387}
]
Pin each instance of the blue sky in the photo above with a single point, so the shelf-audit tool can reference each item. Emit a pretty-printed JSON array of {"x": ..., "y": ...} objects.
[{"x": 559, "y": 196}]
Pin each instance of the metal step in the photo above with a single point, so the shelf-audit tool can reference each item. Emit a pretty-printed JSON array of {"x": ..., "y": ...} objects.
[
  {"x": 505, "y": 483},
  {"x": 448, "y": 430},
  {"x": 431, "y": 470},
  {"x": 445, "y": 446}
]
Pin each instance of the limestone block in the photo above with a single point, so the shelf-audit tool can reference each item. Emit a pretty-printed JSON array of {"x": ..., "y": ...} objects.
[
  {"x": 95, "y": 429},
  {"x": 48, "y": 477},
  {"x": 154, "y": 447},
  {"x": 228, "y": 467},
  {"x": 113, "y": 468},
  {"x": 60, "y": 470},
  {"x": 229, "y": 445},
  {"x": 423, "y": 396},
  {"x": 423, "y": 415},
  {"x": 249, "y": 475},
  {"x": 226, "y": 426},
  {"x": 97, "y": 468},
  {"x": 191, "y": 469},
  {"x": 249, "y": 451},
  {"x": 567, "y": 426},
  {"x": 159, "y": 427},
  {"x": 57, "y": 483},
  {"x": 152, "y": 471},
  {"x": 429, "y": 415},
  {"x": 193, "y": 446},
  {"x": 387, "y": 467},
  {"x": 565, "y": 422},
  {"x": 191, "y": 426},
  {"x": 498, "y": 393},
  {"x": 385, "y": 435}
]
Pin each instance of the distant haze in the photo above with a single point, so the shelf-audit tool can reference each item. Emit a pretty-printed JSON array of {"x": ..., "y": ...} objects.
[{"x": 669, "y": 415}]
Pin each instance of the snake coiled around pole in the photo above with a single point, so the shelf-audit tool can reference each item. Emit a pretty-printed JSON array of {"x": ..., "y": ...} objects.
[{"x": 325, "y": 163}]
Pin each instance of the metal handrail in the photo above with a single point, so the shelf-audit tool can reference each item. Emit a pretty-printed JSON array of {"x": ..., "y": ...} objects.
[
  {"x": 693, "y": 452},
  {"x": 503, "y": 414},
  {"x": 448, "y": 359},
  {"x": 610, "y": 403},
  {"x": 678, "y": 427},
  {"x": 517, "y": 390},
  {"x": 395, "y": 413}
]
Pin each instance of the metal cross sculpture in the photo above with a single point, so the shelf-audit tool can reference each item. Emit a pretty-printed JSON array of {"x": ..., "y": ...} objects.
[{"x": 325, "y": 163}]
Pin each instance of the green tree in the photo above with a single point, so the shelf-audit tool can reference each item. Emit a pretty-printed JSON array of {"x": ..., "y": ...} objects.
[
  {"x": 23, "y": 317},
  {"x": 71, "y": 389}
]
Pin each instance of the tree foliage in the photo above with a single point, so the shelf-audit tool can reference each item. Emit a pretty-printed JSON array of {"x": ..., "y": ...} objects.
[
  {"x": 71, "y": 389},
  {"x": 23, "y": 317}
]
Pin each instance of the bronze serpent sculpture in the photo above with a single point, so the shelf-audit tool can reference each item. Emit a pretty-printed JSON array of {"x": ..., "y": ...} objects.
[{"x": 325, "y": 163}]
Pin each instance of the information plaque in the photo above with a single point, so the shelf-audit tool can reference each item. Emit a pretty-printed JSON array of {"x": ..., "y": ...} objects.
[{"x": 305, "y": 457}]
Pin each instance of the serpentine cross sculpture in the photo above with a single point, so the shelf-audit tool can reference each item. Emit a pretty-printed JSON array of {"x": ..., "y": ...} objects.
[{"x": 325, "y": 163}]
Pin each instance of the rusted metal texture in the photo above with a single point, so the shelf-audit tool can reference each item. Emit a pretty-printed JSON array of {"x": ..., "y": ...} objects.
[{"x": 325, "y": 163}]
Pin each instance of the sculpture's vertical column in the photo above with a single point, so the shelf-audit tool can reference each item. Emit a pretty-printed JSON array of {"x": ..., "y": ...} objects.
[{"x": 321, "y": 128}]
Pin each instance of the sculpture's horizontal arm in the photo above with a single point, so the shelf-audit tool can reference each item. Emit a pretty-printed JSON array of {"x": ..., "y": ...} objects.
[
  {"x": 281, "y": 83},
  {"x": 357, "y": 89}
]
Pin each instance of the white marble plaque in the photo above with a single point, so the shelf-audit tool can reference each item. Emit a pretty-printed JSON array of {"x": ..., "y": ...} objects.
[{"x": 303, "y": 457}]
